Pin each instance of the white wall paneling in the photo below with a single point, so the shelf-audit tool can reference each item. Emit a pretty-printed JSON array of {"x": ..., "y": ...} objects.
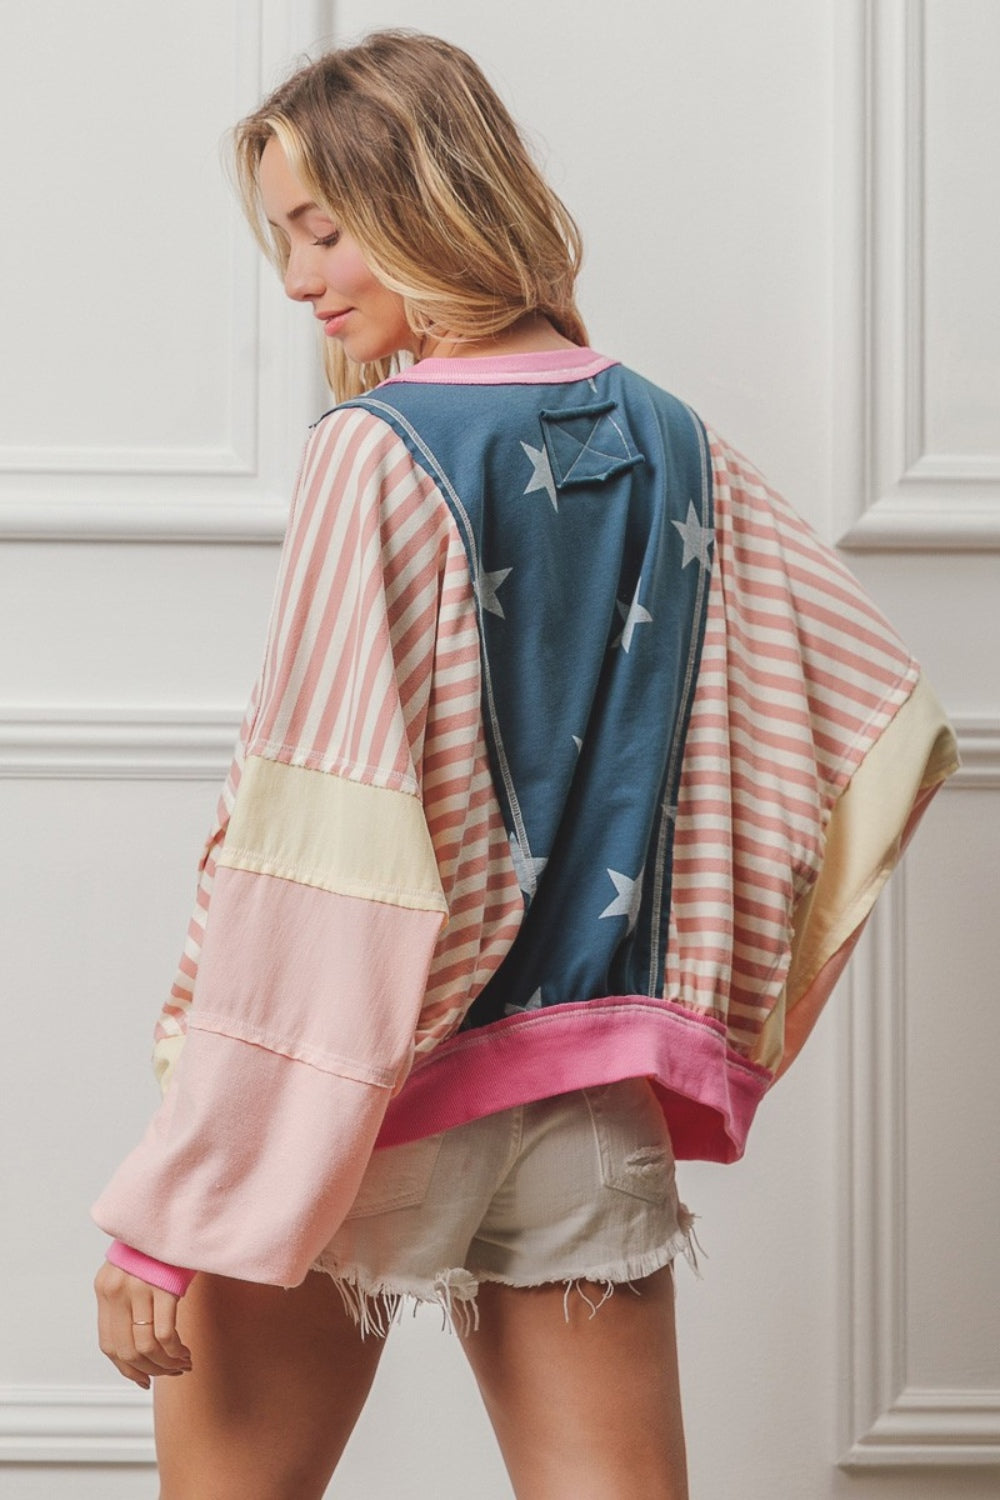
[
  {"x": 160, "y": 386},
  {"x": 82, "y": 842},
  {"x": 891, "y": 1419},
  {"x": 917, "y": 455},
  {"x": 917, "y": 468}
]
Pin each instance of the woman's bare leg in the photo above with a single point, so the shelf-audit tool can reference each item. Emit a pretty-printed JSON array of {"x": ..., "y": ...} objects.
[
  {"x": 587, "y": 1409},
  {"x": 279, "y": 1380}
]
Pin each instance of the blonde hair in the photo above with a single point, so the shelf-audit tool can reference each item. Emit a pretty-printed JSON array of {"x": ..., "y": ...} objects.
[{"x": 404, "y": 142}]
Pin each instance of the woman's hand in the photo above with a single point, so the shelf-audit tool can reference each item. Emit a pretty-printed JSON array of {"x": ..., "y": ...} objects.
[{"x": 137, "y": 1324}]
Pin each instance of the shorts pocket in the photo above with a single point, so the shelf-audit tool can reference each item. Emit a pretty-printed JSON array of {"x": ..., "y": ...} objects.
[
  {"x": 633, "y": 1142},
  {"x": 397, "y": 1177}
]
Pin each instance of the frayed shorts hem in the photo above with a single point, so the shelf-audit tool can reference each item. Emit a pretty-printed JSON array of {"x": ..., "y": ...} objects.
[{"x": 376, "y": 1304}]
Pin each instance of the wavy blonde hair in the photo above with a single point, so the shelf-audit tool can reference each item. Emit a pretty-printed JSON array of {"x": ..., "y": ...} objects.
[{"x": 404, "y": 142}]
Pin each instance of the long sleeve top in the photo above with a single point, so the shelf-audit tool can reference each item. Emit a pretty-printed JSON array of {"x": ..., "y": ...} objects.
[{"x": 574, "y": 755}]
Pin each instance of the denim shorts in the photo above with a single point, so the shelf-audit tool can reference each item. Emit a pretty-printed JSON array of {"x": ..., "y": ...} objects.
[{"x": 578, "y": 1188}]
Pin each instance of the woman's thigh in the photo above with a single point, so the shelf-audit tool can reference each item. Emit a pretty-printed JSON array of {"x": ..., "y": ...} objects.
[
  {"x": 279, "y": 1379},
  {"x": 585, "y": 1404}
]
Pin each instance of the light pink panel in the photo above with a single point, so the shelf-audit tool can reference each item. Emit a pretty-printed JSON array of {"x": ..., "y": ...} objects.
[
  {"x": 304, "y": 1021},
  {"x": 333, "y": 980},
  {"x": 248, "y": 1166}
]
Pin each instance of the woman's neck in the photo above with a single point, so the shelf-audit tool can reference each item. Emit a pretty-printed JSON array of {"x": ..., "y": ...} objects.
[{"x": 532, "y": 332}]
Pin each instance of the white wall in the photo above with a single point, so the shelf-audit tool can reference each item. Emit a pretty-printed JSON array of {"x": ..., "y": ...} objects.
[{"x": 779, "y": 200}]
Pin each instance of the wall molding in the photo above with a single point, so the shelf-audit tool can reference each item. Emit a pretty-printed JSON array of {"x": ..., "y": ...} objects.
[
  {"x": 979, "y": 749},
  {"x": 115, "y": 743},
  {"x": 236, "y": 488},
  {"x": 886, "y": 1422},
  {"x": 194, "y": 514},
  {"x": 904, "y": 498},
  {"x": 230, "y": 458},
  {"x": 75, "y": 1424}
]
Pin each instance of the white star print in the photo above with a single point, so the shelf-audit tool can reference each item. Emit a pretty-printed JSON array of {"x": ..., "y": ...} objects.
[
  {"x": 633, "y": 614},
  {"x": 535, "y": 1003},
  {"x": 487, "y": 589},
  {"x": 528, "y": 869},
  {"x": 629, "y": 898},
  {"x": 578, "y": 743},
  {"x": 541, "y": 478},
  {"x": 697, "y": 538}
]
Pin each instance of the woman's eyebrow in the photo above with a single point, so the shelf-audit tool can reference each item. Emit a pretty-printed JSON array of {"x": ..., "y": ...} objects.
[{"x": 296, "y": 213}]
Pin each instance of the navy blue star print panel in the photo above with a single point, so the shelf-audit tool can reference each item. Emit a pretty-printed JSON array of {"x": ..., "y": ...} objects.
[{"x": 585, "y": 508}]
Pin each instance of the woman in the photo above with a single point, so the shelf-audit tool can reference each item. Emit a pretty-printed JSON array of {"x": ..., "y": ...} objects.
[{"x": 573, "y": 768}]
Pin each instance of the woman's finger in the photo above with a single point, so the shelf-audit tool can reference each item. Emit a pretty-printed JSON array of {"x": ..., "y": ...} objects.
[
  {"x": 146, "y": 1351},
  {"x": 131, "y": 1373},
  {"x": 129, "y": 1325},
  {"x": 165, "y": 1327},
  {"x": 108, "y": 1341},
  {"x": 151, "y": 1321}
]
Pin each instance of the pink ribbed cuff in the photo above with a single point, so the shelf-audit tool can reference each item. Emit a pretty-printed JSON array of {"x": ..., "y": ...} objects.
[{"x": 157, "y": 1272}]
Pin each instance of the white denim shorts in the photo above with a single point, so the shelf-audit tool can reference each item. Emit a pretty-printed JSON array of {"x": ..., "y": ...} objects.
[{"x": 579, "y": 1188}]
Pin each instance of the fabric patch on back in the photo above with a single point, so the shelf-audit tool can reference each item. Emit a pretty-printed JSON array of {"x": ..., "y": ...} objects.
[{"x": 586, "y": 444}]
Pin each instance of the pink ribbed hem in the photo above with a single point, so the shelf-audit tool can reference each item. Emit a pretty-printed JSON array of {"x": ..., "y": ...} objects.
[
  {"x": 157, "y": 1272},
  {"x": 538, "y": 366},
  {"x": 709, "y": 1093}
]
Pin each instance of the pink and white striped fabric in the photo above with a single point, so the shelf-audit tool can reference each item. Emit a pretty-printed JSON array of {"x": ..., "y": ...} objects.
[{"x": 799, "y": 676}]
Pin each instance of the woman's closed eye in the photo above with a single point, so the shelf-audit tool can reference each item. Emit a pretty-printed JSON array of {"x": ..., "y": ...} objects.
[{"x": 328, "y": 239}]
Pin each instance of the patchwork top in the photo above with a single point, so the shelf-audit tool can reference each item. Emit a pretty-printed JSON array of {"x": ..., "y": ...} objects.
[{"x": 574, "y": 755}]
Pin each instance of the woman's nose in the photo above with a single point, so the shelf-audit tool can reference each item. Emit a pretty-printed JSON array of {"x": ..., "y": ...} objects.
[{"x": 302, "y": 281}]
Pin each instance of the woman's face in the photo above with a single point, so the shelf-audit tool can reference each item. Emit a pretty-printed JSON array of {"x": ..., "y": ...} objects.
[{"x": 326, "y": 268}]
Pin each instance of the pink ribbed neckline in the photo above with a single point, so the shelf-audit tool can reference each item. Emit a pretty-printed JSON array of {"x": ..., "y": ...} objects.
[{"x": 546, "y": 365}]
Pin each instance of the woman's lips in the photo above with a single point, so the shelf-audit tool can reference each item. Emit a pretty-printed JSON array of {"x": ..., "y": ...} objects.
[{"x": 334, "y": 324}]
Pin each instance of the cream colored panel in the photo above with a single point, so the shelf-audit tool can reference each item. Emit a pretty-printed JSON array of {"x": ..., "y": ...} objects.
[
  {"x": 916, "y": 751},
  {"x": 339, "y": 835}
]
